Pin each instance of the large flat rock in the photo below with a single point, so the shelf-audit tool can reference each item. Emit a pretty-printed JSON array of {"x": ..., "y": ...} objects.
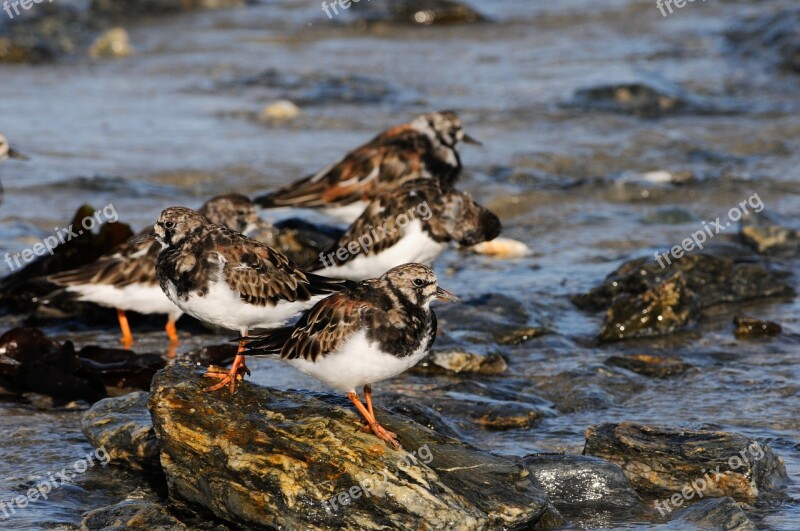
[{"x": 284, "y": 459}]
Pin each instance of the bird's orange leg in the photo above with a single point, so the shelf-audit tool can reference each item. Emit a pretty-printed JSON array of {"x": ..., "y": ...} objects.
[
  {"x": 237, "y": 372},
  {"x": 127, "y": 338},
  {"x": 379, "y": 431},
  {"x": 172, "y": 333}
]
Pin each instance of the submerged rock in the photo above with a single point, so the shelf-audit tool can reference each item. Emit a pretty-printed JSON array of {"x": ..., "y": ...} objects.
[
  {"x": 460, "y": 362},
  {"x": 127, "y": 9},
  {"x": 582, "y": 487},
  {"x": 471, "y": 404},
  {"x": 643, "y": 299},
  {"x": 589, "y": 388},
  {"x": 44, "y": 34},
  {"x": 122, "y": 425},
  {"x": 650, "y": 100},
  {"x": 417, "y": 12},
  {"x": 715, "y": 513},
  {"x": 683, "y": 463},
  {"x": 652, "y": 366},
  {"x": 747, "y": 327},
  {"x": 772, "y": 35},
  {"x": 264, "y": 458},
  {"x": 770, "y": 234}
]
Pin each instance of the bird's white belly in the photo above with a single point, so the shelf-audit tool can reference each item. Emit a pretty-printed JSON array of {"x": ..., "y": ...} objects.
[
  {"x": 357, "y": 363},
  {"x": 415, "y": 246},
  {"x": 221, "y": 306},
  {"x": 140, "y": 298}
]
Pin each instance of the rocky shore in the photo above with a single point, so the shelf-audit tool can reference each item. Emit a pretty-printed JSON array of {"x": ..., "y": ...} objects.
[{"x": 266, "y": 459}]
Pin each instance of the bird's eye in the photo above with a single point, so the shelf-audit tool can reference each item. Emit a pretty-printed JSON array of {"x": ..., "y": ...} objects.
[
  {"x": 453, "y": 131},
  {"x": 169, "y": 224},
  {"x": 419, "y": 282},
  {"x": 241, "y": 212}
]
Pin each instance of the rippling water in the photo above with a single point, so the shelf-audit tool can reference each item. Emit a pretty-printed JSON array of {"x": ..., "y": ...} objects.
[{"x": 166, "y": 126}]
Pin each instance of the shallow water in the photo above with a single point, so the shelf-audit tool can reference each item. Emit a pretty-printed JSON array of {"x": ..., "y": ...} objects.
[{"x": 166, "y": 127}]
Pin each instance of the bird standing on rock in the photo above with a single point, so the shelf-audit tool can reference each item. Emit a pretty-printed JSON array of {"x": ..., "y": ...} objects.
[
  {"x": 125, "y": 278},
  {"x": 371, "y": 331},
  {"x": 224, "y": 278},
  {"x": 424, "y": 148}
]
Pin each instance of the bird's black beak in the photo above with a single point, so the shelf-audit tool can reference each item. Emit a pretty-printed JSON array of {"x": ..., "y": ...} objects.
[
  {"x": 147, "y": 237},
  {"x": 470, "y": 140},
  {"x": 445, "y": 296},
  {"x": 14, "y": 154}
]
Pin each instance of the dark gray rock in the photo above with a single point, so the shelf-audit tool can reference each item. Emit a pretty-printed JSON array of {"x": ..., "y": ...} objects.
[
  {"x": 132, "y": 514},
  {"x": 122, "y": 426},
  {"x": 642, "y": 299},
  {"x": 264, "y": 458},
  {"x": 715, "y": 513},
  {"x": 652, "y": 99},
  {"x": 668, "y": 461},
  {"x": 417, "y": 12},
  {"x": 575, "y": 483},
  {"x": 651, "y": 366}
]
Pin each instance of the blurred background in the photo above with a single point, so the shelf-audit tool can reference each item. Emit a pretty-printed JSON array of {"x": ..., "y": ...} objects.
[{"x": 610, "y": 132}]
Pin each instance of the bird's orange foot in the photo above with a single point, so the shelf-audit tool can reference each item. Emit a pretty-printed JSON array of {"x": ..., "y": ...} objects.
[
  {"x": 236, "y": 374},
  {"x": 385, "y": 435}
]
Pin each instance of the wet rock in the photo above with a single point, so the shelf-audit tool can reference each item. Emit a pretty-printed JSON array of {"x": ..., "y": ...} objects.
[
  {"x": 771, "y": 35},
  {"x": 44, "y": 34},
  {"x": 490, "y": 318},
  {"x": 644, "y": 299},
  {"x": 747, "y": 327},
  {"x": 666, "y": 461},
  {"x": 311, "y": 90},
  {"x": 770, "y": 234},
  {"x": 588, "y": 388},
  {"x": 127, "y": 9},
  {"x": 581, "y": 486},
  {"x": 302, "y": 241},
  {"x": 715, "y": 513},
  {"x": 662, "y": 309},
  {"x": 425, "y": 416},
  {"x": 648, "y": 365},
  {"x": 461, "y": 362},
  {"x": 123, "y": 427},
  {"x": 121, "y": 369},
  {"x": 30, "y": 361},
  {"x": 652, "y": 99},
  {"x": 487, "y": 406},
  {"x": 517, "y": 336},
  {"x": 267, "y": 458},
  {"x": 417, "y": 12},
  {"x": 113, "y": 43},
  {"x": 132, "y": 514}
]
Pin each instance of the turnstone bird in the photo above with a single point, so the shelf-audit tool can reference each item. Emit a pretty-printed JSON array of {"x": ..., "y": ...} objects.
[
  {"x": 6, "y": 152},
  {"x": 413, "y": 223},
  {"x": 224, "y": 278},
  {"x": 372, "y": 331},
  {"x": 425, "y": 148},
  {"x": 125, "y": 279}
]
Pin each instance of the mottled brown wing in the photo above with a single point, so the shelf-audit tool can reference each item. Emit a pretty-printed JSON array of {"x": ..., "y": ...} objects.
[
  {"x": 376, "y": 227},
  {"x": 130, "y": 263},
  {"x": 321, "y": 330},
  {"x": 263, "y": 276},
  {"x": 392, "y": 157}
]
